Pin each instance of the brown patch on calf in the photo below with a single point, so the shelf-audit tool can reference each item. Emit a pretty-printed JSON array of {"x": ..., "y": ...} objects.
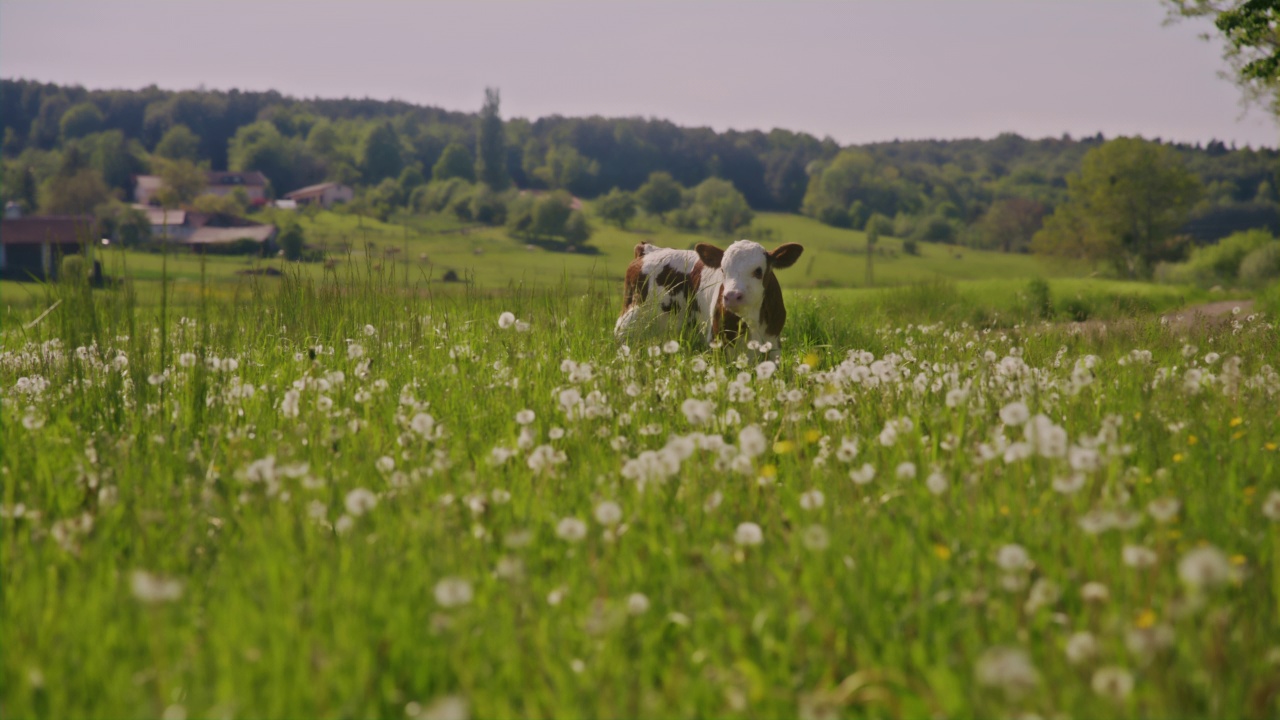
[
  {"x": 710, "y": 255},
  {"x": 641, "y": 250},
  {"x": 634, "y": 283},
  {"x": 773, "y": 314},
  {"x": 675, "y": 283}
]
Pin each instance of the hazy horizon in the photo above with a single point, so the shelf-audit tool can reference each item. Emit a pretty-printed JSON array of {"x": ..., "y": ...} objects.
[{"x": 926, "y": 70}]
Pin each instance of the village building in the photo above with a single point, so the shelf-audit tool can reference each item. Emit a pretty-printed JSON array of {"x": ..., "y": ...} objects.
[
  {"x": 324, "y": 194},
  {"x": 193, "y": 229},
  {"x": 33, "y": 246},
  {"x": 146, "y": 188}
]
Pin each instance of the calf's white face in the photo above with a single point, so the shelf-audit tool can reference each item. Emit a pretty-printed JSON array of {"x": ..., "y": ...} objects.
[{"x": 750, "y": 289}]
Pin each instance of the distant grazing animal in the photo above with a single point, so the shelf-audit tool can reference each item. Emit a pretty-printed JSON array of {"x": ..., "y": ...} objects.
[{"x": 725, "y": 293}]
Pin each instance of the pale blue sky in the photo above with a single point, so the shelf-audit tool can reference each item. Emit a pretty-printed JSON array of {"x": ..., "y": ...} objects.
[{"x": 858, "y": 71}]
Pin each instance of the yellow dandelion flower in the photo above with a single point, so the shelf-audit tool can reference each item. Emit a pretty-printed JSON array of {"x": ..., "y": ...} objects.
[
  {"x": 1249, "y": 491},
  {"x": 769, "y": 471},
  {"x": 942, "y": 551},
  {"x": 1146, "y": 618},
  {"x": 811, "y": 360},
  {"x": 1237, "y": 435},
  {"x": 1192, "y": 439},
  {"x": 1238, "y": 560},
  {"x": 1236, "y": 422},
  {"x": 1270, "y": 446},
  {"x": 812, "y": 436},
  {"x": 1004, "y": 509},
  {"x": 782, "y": 447},
  {"x": 1137, "y": 415},
  {"x": 1177, "y": 457}
]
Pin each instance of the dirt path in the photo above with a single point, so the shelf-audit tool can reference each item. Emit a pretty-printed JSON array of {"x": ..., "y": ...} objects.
[{"x": 1208, "y": 314}]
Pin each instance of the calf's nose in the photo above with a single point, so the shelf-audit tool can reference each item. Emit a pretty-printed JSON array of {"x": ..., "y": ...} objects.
[{"x": 733, "y": 297}]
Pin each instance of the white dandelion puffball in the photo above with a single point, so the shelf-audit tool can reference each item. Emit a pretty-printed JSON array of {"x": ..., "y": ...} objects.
[
  {"x": 937, "y": 483},
  {"x": 1081, "y": 648},
  {"x": 422, "y": 424},
  {"x": 1094, "y": 592},
  {"x": 1271, "y": 506},
  {"x": 506, "y": 320},
  {"x": 354, "y": 351},
  {"x": 815, "y": 538},
  {"x": 812, "y": 500},
  {"x": 370, "y": 330},
  {"x": 386, "y": 463},
  {"x": 748, "y": 534},
  {"x": 522, "y": 326},
  {"x": 571, "y": 529},
  {"x": 1015, "y": 413},
  {"x": 524, "y": 417},
  {"x": 905, "y": 471},
  {"x": 154, "y": 589},
  {"x": 360, "y": 501},
  {"x": 453, "y": 592},
  {"x": 1007, "y": 668},
  {"x": 863, "y": 475},
  {"x": 1013, "y": 558},
  {"x": 1112, "y": 682},
  {"x": 608, "y": 513},
  {"x": 1205, "y": 567},
  {"x": 637, "y": 604},
  {"x": 751, "y": 441}
]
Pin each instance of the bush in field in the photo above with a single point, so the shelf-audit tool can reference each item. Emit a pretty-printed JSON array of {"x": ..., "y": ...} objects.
[
  {"x": 1040, "y": 299},
  {"x": 1221, "y": 263},
  {"x": 910, "y": 247},
  {"x": 292, "y": 241},
  {"x": 487, "y": 206},
  {"x": 661, "y": 194},
  {"x": 1261, "y": 266},
  {"x": 437, "y": 195},
  {"x": 72, "y": 270},
  {"x": 454, "y": 162},
  {"x": 618, "y": 207}
]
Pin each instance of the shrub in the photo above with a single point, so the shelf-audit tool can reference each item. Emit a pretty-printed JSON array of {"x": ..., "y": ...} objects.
[
  {"x": 292, "y": 242},
  {"x": 1261, "y": 266},
  {"x": 72, "y": 269},
  {"x": 1078, "y": 309},
  {"x": 1040, "y": 298},
  {"x": 910, "y": 247}
]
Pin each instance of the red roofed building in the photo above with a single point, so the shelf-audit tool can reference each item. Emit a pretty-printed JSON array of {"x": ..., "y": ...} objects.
[{"x": 32, "y": 247}]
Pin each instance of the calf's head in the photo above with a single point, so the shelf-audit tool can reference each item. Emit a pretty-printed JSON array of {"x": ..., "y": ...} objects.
[{"x": 750, "y": 288}]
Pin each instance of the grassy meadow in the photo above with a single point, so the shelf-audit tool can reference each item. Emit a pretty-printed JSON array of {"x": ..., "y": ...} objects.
[{"x": 321, "y": 496}]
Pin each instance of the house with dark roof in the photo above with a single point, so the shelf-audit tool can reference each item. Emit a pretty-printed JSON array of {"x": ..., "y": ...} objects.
[
  {"x": 33, "y": 247},
  {"x": 196, "y": 230}
]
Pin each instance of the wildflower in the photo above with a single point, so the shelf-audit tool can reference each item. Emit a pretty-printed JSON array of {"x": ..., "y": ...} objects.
[
  {"x": 1112, "y": 682},
  {"x": 1271, "y": 506},
  {"x": 1069, "y": 484},
  {"x": 766, "y": 369},
  {"x": 811, "y": 500},
  {"x": 1094, "y": 592},
  {"x": 360, "y": 501},
  {"x": 608, "y": 513},
  {"x": 187, "y": 359},
  {"x": 1139, "y": 557},
  {"x": 506, "y": 320},
  {"x": 522, "y": 326},
  {"x": 544, "y": 459},
  {"x": 571, "y": 529},
  {"x": 343, "y": 524},
  {"x": 906, "y": 471},
  {"x": 751, "y": 441},
  {"x": 1164, "y": 510},
  {"x": 848, "y": 450},
  {"x": 453, "y": 592},
  {"x": 422, "y": 424},
  {"x": 355, "y": 351},
  {"x": 956, "y": 397},
  {"x": 1009, "y": 669},
  {"x": 637, "y": 604},
  {"x": 1013, "y": 558},
  {"x": 1043, "y": 593},
  {"x": 386, "y": 464},
  {"x": 697, "y": 412},
  {"x": 713, "y": 501},
  {"x": 671, "y": 347},
  {"x": 1081, "y": 647},
  {"x": 1205, "y": 567},
  {"x": 524, "y": 417},
  {"x": 154, "y": 589},
  {"x": 748, "y": 533},
  {"x": 1015, "y": 413},
  {"x": 863, "y": 475},
  {"x": 815, "y": 538},
  {"x": 937, "y": 482}
]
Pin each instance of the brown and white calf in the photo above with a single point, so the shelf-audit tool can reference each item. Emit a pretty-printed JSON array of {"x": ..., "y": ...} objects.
[{"x": 726, "y": 294}]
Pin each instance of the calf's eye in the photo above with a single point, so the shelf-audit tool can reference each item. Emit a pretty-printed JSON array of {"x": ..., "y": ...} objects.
[{"x": 758, "y": 274}]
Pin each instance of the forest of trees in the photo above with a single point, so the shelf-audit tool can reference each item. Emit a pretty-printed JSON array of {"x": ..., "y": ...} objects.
[{"x": 65, "y": 147}]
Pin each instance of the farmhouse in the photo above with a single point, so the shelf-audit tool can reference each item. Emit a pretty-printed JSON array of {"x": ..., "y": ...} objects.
[
  {"x": 32, "y": 247},
  {"x": 217, "y": 182},
  {"x": 198, "y": 230},
  {"x": 324, "y": 194}
]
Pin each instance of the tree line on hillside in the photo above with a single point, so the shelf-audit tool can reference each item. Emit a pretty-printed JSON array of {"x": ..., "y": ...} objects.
[{"x": 65, "y": 147}]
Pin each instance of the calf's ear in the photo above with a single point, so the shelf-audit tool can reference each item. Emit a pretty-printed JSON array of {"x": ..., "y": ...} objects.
[
  {"x": 710, "y": 254},
  {"x": 785, "y": 255}
]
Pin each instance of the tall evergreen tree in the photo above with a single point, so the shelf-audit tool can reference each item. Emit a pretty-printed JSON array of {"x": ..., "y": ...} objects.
[{"x": 491, "y": 150}]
